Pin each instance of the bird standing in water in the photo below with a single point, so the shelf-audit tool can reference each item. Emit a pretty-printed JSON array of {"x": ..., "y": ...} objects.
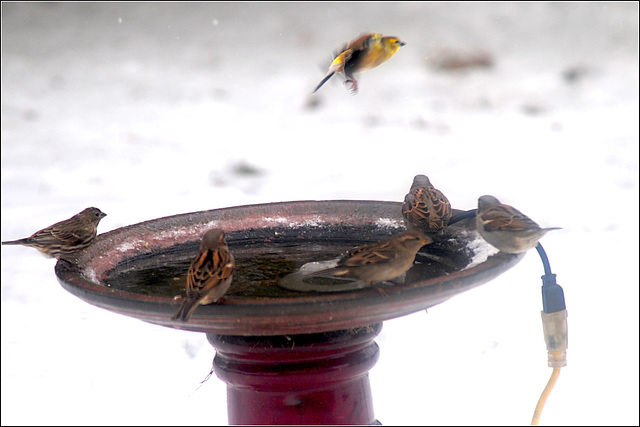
[
  {"x": 379, "y": 261},
  {"x": 210, "y": 274},
  {"x": 361, "y": 54}
]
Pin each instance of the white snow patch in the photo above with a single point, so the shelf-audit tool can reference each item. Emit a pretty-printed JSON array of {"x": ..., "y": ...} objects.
[
  {"x": 295, "y": 224},
  {"x": 313, "y": 266},
  {"x": 129, "y": 245},
  {"x": 481, "y": 250},
  {"x": 90, "y": 274},
  {"x": 277, "y": 220},
  {"x": 389, "y": 223}
]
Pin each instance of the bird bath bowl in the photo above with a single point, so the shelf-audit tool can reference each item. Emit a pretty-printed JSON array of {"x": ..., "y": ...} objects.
[{"x": 287, "y": 356}]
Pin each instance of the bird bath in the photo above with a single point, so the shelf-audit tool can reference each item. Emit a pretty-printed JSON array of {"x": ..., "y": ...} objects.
[{"x": 287, "y": 356}]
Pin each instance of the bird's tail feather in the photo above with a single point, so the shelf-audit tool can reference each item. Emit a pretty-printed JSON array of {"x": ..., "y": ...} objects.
[
  {"x": 327, "y": 77},
  {"x": 15, "y": 242},
  {"x": 185, "y": 310}
]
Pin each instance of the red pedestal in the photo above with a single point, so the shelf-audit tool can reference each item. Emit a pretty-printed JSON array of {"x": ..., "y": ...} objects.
[{"x": 298, "y": 379}]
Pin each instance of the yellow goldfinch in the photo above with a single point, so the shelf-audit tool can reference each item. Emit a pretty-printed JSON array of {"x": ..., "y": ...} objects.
[{"x": 366, "y": 52}]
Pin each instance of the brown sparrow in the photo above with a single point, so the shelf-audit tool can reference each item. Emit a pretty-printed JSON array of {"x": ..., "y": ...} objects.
[
  {"x": 425, "y": 208},
  {"x": 379, "y": 261},
  {"x": 364, "y": 53},
  {"x": 507, "y": 228},
  {"x": 210, "y": 274},
  {"x": 65, "y": 238}
]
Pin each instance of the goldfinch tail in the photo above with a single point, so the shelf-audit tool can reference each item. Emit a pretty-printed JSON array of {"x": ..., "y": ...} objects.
[{"x": 327, "y": 77}]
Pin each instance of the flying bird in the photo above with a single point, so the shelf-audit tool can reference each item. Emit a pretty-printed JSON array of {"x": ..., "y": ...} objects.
[{"x": 361, "y": 54}]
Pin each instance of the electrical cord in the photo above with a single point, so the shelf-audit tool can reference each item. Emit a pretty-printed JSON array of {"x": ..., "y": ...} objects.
[
  {"x": 543, "y": 397},
  {"x": 462, "y": 215},
  {"x": 554, "y": 325},
  {"x": 554, "y": 320}
]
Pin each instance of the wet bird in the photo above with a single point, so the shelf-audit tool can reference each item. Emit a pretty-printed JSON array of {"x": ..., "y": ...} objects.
[
  {"x": 210, "y": 274},
  {"x": 425, "y": 208},
  {"x": 64, "y": 239},
  {"x": 379, "y": 261},
  {"x": 361, "y": 54},
  {"x": 506, "y": 228}
]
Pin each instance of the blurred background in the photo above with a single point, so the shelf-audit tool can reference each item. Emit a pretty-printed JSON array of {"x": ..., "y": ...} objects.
[{"x": 153, "y": 109}]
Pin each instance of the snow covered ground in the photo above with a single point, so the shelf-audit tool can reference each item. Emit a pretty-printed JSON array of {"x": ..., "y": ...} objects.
[{"x": 149, "y": 110}]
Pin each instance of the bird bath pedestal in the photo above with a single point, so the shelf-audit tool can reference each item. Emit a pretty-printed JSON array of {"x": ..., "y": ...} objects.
[{"x": 287, "y": 357}]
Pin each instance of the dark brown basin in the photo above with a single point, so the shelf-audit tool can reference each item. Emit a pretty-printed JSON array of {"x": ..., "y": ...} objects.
[{"x": 134, "y": 270}]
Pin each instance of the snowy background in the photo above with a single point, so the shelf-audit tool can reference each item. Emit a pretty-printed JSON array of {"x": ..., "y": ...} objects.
[{"x": 149, "y": 110}]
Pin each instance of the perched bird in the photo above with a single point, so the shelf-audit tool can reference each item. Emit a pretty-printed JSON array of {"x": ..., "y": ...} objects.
[
  {"x": 361, "y": 54},
  {"x": 379, "y": 261},
  {"x": 507, "y": 228},
  {"x": 425, "y": 208},
  {"x": 210, "y": 274},
  {"x": 65, "y": 238}
]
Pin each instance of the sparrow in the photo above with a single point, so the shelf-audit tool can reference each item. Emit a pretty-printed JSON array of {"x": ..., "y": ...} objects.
[
  {"x": 210, "y": 274},
  {"x": 65, "y": 238},
  {"x": 507, "y": 228},
  {"x": 361, "y": 54},
  {"x": 425, "y": 208},
  {"x": 379, "y": 261}
]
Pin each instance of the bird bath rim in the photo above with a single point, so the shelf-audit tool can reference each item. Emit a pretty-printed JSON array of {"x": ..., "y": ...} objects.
[{"x": 298, "y": 221}]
